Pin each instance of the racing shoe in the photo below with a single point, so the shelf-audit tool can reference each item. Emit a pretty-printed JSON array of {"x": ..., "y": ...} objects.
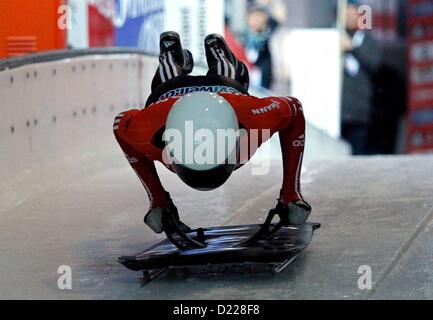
[
  {"x": 216, "y": 49},
  {"x": 295, "y": 213},
  {"x": 170, "y": 42}
]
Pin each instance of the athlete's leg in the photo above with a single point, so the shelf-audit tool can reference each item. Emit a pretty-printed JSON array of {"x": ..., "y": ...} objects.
[
  {"x": 221, "y": 60},
  {"x": 292, "y": 140},
  {"x": 173, "y": 60}
]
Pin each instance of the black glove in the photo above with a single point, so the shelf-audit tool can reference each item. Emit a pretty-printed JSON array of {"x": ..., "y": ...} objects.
[
  {"x": 155, "y": 215},
  {"x": 295, "y": 213}
]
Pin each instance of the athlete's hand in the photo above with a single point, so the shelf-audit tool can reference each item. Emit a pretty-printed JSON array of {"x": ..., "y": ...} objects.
[
  {"x": 295, "y": 213},
  {"x": 154, "y": 218}
]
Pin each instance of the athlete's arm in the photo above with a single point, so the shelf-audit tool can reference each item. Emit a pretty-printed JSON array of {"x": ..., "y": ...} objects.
[
  {"x": 285, "y": 116},
  {"x": 140, "y": 163}
]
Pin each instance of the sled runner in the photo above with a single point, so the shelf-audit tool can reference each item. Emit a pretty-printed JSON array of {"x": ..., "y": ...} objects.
[{"x": 272, "y": 244}]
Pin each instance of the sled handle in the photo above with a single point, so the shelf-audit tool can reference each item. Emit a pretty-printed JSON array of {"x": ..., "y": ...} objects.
[
  {"x": 263, "y": 231},
  {"x": 170, "y": 224}
]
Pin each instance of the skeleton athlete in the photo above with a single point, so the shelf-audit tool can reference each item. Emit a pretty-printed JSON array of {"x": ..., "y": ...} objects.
[{"x": 217, "y": 100}]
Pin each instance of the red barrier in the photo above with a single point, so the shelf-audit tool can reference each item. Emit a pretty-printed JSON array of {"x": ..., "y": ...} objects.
[
  {"x": 28, "y": 26},
  {"x": 101, "y": 28},
  {"x": 420, "y": 40}
]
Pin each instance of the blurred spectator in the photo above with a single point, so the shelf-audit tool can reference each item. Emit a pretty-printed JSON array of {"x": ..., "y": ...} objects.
[
  {"x": 256, "y": 41},
  {"x": 390, "y": 100},
  {"x": 236, "y": 46},
  {"x": 362, "y": 59},
  {"x": 276, "y": 8}
]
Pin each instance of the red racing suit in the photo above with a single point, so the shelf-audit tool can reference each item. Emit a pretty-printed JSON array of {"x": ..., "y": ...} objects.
[{"x": 139, "y": 134}]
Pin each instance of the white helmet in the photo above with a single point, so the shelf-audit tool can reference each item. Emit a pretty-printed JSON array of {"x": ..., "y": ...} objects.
[{"x": 201, "y": 137}]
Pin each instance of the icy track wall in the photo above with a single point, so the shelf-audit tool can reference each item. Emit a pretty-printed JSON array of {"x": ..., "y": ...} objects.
[
  {"x": 57, "y": 115},
  {"x": 57, "y": 111}
]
